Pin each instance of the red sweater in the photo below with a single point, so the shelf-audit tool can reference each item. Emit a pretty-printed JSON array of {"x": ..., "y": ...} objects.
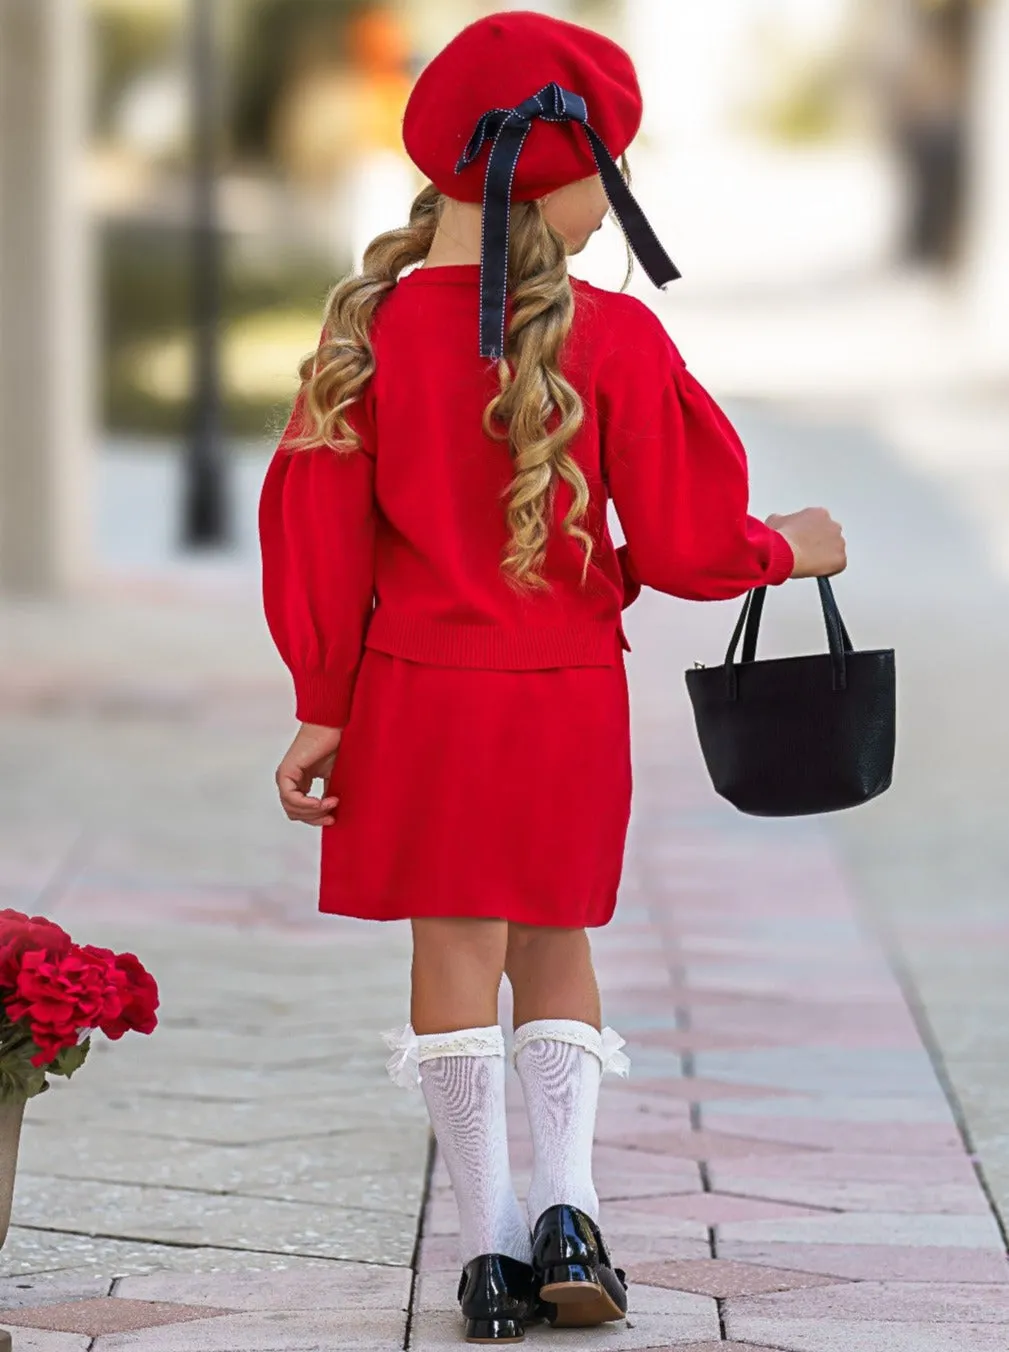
[{"x": 398, "y": 546}]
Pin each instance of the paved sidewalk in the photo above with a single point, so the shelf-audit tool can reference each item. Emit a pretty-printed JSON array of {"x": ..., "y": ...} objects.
[
  {"x": 780, "y": 1170},
  {"x": 256, "y": 1133}
]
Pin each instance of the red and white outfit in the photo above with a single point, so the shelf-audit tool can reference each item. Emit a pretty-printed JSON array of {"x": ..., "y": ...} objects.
[{"x": 485, "y": 765}]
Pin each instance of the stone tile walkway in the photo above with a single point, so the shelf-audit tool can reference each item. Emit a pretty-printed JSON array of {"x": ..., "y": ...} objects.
[{"x": 781, "y": 1169}]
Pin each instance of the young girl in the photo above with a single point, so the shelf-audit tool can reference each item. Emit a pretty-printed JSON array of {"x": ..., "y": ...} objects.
[{"x": 441, "y": 582}]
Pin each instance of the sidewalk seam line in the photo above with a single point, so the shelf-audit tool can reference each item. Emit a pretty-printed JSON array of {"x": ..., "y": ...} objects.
[
  {"x": 211, "y": 1192},
  {"x": 932, "y": 1048},
  {"x": 418, "y": 1238},
  {"x": 197, "y": 1247},
  {"x": 67, "y": 869},
  {"x": 886, "y": 937}
]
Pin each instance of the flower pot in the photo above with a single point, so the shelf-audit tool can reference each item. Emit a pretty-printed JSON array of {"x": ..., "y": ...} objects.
[{"x": 12, "y": 1111}]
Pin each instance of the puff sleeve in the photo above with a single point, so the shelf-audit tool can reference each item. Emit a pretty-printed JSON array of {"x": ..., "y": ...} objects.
[
  {"x": 678, "y": 476},
  {"x": 317, "y": 521}
]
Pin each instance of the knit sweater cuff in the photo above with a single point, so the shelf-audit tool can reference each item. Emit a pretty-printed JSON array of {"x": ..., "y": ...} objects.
[
  {"x": 782, "y": 561},
  {"x": 322, "y": 699}
]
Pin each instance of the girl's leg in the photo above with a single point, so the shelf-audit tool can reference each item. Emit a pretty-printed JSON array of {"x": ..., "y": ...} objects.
[
  {"x": 457, "y": 967},
  {"x": 551, "y": 974},
  {"x": 456, "y": 972},
  {"x": 559, "y": 1060}
]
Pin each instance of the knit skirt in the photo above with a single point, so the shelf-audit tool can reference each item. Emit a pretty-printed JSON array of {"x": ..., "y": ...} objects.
[{"x": 480, "y": 793}]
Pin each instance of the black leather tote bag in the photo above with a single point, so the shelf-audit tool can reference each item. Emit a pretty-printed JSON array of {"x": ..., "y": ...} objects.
[{"x": 791, "y": 736}]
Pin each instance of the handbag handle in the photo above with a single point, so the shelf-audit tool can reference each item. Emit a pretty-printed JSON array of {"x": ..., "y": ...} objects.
[{"x": 838, "y": 639}]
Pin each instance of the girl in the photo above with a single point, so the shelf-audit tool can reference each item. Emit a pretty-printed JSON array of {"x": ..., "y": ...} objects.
[{"x": 440, "y": 580}]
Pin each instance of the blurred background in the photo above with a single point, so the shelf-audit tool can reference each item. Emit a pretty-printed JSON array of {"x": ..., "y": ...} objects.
[{"x": 182, "y": 180}]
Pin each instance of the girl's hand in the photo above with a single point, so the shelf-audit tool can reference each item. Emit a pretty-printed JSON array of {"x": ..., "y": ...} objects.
[
  {"x": 816, "y": 539},
  {"x": 310, "y": 756}
]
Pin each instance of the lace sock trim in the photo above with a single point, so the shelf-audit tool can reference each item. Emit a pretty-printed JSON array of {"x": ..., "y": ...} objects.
[
  {"x": 410, "y": 1049},
  {"x": 605, "y": 1045}
]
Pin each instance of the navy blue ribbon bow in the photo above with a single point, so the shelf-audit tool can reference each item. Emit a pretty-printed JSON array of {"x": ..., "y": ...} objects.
[{"x": 507, "y": 129}]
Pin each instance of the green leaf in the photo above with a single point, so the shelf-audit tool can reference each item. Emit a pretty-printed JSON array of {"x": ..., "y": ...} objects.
[
  {"x": 20, "y": 1079},
  {"x": 70, "y": 1059}
]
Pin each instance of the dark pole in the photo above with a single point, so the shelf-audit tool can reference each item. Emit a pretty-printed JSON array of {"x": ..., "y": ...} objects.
[{"x": 205, "y": 514}]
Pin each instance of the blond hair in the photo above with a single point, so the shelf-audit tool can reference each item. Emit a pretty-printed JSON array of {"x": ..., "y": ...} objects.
[{"x": 536, "y": 411}]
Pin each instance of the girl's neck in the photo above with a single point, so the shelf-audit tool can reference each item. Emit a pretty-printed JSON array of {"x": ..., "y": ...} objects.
[{"x": 457, "y": 238}]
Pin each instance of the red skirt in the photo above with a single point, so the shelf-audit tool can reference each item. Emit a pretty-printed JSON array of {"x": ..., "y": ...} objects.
[{"x": 480, "y": 793}]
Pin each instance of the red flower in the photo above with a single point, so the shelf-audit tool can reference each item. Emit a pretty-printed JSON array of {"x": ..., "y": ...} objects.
[
  {"x": 58, "y": 990},
  {"x": 139, "y": 999},
  {"x": 58, "y": 996},
  {"x": 20, "y": 934}
]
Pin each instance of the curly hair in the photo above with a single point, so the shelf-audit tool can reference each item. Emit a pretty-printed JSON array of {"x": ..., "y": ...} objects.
[{"x": 536, "y": 410}]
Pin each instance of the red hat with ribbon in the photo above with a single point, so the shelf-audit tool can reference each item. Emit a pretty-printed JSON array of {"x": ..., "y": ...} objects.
[{"x": 554, "y": 103}]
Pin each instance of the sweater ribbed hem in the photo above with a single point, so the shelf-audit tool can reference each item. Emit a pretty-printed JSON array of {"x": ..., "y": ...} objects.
[
  {"x": 782, "y": 563},
  {"x": 495, "y": 647},
  {"x": 322, "y": 699}
]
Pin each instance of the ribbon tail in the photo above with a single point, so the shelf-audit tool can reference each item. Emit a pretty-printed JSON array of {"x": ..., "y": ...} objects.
[
  {"x": 496, "y": 229},
  {"x": 640, "y": 236}
]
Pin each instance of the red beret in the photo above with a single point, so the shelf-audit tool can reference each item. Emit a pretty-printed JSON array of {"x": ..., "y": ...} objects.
[{"x": 500, "y": 61}]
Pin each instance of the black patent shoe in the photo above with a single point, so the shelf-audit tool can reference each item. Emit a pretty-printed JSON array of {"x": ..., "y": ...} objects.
[
  {"x": 497, "y": 1295},
  {"x": 577, "y": 1284}
]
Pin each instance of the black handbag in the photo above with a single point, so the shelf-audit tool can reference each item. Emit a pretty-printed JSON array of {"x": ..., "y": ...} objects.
[{"x": 790, "y": 736}]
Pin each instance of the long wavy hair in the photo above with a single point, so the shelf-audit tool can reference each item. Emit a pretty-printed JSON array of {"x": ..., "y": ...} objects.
[{"x": 536, "y": 410}]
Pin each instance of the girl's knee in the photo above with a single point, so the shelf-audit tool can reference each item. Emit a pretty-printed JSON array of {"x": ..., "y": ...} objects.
[
  {"x": 525, "y": 936},
  {"x": 473, "y": 934}
]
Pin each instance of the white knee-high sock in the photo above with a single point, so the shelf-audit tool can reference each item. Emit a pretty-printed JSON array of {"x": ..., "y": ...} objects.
[
  {"x": 560, "y": 1063},
  {"x": 462, "y": 1076}
]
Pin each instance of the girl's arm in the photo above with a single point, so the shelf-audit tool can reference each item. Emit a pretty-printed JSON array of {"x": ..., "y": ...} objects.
[
  {"x": 317, "y": 536},
  {"x": 678, "y": 476}
]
